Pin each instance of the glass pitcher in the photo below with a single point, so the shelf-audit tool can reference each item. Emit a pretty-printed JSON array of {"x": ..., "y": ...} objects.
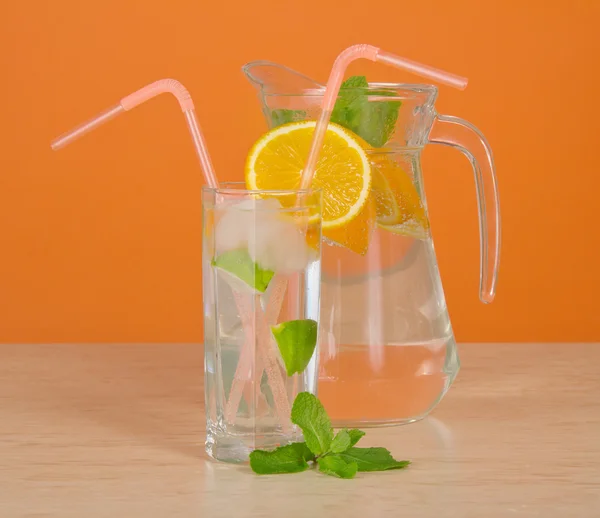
[{"x": 387, "y": 350}]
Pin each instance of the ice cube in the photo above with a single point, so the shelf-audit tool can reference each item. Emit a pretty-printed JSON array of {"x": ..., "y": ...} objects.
[
  {"x": 238, "y": 220},
  {"x": 272, "y": 240},
  {"x": 277, "y": 244},
  {"x": 231, "y": 231}
]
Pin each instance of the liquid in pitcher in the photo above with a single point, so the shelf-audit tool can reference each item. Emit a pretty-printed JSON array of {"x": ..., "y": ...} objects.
[
  {"x": 387, "y": 349},
  {"x": 394, "y": 366}
]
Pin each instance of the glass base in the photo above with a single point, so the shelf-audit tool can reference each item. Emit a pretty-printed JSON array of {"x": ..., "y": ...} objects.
[
  {"x": 226, "y": 451},
  {"x": 236, "y": 448}
]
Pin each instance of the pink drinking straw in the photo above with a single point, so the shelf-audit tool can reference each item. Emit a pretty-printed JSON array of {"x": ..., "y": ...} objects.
[
  {"x": 335, "y": 80},
  {"x": 187, "y": 106},
  {"x": 244, "y": 367},
  {"x": 141, "y": 96},
  {"x": 267, "y": 359}
]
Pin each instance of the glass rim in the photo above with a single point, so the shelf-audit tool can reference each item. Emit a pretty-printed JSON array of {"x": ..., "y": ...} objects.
[{"x": 233, "y": 190}]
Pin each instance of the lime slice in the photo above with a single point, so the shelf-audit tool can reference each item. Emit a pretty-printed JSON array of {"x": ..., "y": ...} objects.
[
  {"x": 296, "y": 340},
  {"x": 240, "y": 265}
]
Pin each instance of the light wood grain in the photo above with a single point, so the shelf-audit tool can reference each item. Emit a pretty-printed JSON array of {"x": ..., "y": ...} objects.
[{"x": 118, "y": 430}]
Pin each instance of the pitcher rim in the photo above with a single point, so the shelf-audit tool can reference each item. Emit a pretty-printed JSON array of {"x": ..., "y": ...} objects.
[
  {"x": 411, "y": 87},
  {"x": 416, "y": 88}
]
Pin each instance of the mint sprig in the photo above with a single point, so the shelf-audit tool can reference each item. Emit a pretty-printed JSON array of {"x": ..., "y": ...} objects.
[
  {"x": 334, "y": 455},
  {"x": 374, "y": 121}
]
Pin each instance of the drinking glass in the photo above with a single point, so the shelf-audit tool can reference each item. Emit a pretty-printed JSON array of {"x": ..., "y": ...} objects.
[{"x": 261, "y": 286}]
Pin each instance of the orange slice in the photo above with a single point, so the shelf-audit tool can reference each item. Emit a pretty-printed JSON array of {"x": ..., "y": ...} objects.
[
  {"x": 356, "y": 235},
  {"x": 398, "y": 205},
  {"x": 342, "y": 172}
]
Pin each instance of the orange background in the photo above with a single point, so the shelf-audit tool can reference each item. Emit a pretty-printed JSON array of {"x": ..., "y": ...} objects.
[{"x": 101, "y": 241}]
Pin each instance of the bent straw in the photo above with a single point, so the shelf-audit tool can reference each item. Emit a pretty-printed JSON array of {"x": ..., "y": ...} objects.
[
  {"x": 267, "y": 354},
  {"x": 141, "y": 96},
  {"x": 186, "y": 103},
  {"x": 334, "y": 82},
  {"x": 244, "y": 367}
]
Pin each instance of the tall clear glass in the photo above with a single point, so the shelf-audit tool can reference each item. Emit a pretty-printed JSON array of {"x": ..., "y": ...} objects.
[{"x": 261, "y": 287}]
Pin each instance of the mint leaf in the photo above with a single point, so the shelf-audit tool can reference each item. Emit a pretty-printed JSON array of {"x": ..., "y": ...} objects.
[
  {"x": 355, "y": 82},
  {"x": 336, "y": 466},
  {"x": 296, "y": 340},
  {"x": 374, "y": 121},
  {"x": 373, "y": 459},
  {"x": 239, "y": 263},
  {"x": 351, "y": 99},
  {"x": 341, "y": 442},
  {"x": 291, "y": 458},
  {"x": 283, "y": 116},
  {"x": 355, "y": 436},
  {"x": 308, "y": 413}
]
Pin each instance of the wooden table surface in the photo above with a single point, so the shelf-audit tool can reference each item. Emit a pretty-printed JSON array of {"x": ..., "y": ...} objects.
[{"x": 92, "y": 431}]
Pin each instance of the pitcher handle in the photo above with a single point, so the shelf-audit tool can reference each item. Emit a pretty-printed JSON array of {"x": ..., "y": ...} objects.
[{"x": 462, "y": 135}]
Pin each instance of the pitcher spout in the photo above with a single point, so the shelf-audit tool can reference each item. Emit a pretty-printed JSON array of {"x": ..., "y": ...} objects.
[
  {"x": 284, "y": 94},
  {"x": 272, "y": 78}
]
